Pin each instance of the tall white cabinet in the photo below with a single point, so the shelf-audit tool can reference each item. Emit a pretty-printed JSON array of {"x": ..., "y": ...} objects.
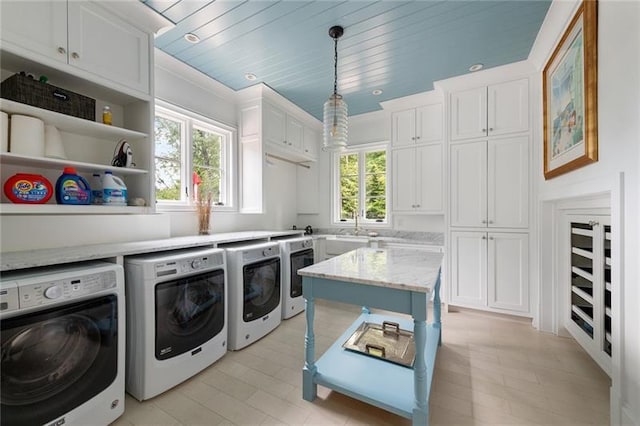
[
  {"x": 489, "y": 197},
  {"x": 82, "y": 46},
  {"x": 418, "y": 160}
]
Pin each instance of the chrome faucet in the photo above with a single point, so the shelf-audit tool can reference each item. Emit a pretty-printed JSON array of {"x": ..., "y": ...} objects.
[{"x": 357, "y": 229}]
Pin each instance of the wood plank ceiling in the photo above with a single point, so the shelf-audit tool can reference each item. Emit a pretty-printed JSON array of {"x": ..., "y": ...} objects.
[{"x": 399, "y": 47}]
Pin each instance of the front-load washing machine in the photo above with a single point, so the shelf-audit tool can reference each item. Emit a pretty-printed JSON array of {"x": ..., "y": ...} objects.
[
  {"x": 296, "y": 253},
  {"x": 176, "y": 317},
  {"x": 254, "y": 291},
  {"x": 62, "y": 345}
]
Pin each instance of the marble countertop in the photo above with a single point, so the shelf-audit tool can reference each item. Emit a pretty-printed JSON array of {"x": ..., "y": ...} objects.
[
  {"x": 400, "y": 268},
  {"x": 55, "y": 256}
]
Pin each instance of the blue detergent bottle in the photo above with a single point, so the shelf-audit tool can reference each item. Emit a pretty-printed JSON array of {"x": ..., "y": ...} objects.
[{"x": 72, "y": 188}]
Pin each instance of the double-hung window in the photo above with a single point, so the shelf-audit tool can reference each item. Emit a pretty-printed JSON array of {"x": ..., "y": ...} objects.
[
  {"x": 193, "y": 157},
  {"x": 361, "y": 186}
]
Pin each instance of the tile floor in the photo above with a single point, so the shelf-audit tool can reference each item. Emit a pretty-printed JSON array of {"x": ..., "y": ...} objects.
[{"x": 490, "y": 370}]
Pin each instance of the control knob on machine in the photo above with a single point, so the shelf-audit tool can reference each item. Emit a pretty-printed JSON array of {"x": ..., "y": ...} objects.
[
  {"x": 53, "y": 292},
  {"x": 196, "y": 264},
  {"x": 306, "y": 243},
  {"x": 266, "y": 252}
]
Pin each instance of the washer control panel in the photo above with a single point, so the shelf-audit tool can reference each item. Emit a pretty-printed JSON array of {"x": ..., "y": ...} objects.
[
  {"x": 188, "y": 264},
  {"x": 47, "y": 292}
]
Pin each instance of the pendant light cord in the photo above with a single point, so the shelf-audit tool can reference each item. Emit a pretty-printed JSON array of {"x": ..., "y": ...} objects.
[{"x": 335, "y": 66}]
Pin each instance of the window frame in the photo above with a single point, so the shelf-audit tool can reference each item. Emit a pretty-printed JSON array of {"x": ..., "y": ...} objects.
[
  {"x": 191, "y": 121},
  {"x": 361, "y": 150}
]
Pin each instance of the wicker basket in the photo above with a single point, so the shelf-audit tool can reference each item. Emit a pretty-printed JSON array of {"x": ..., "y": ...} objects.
[{"x": 28, "y": 91}]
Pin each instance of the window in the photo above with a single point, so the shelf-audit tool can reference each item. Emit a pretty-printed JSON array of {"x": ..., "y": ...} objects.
[
  {"x": 361, "y": 185},
  {"x": 192, "y": 157}
]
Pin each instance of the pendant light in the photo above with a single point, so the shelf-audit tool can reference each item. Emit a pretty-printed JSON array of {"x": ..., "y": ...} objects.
[{"x": 335, "y": 109}]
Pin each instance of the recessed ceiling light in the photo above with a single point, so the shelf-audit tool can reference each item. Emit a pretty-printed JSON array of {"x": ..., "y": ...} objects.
[
  {"x": 476, "y": 67},
  {"x": 192, "y": 38},
  {"x": 250, "y": 76},
  {"x": 377, "y": 92}
]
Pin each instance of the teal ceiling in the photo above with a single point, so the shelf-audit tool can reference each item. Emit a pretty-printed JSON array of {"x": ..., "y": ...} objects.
[{"x": 399, "y": 47}]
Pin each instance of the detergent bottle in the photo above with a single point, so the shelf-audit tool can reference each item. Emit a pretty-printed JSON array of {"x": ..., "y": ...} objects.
[
  {"x": 114, "y": 191},
  {"x": 72, "y": 188},
  {"x": 96, "y": 189}
]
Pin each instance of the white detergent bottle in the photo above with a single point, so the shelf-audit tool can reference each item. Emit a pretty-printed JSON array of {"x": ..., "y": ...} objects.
[
  {"x": 96, "y": 189},
  {"x": 114, "y": 191}
]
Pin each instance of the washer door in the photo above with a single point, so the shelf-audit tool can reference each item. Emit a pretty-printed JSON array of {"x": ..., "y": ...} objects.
[
  {"x": 299, "y": 260},
  {"x": 55, "y": 360},
  {"x": 261, "y": 288},
  {"x": 189, "y": 313}
]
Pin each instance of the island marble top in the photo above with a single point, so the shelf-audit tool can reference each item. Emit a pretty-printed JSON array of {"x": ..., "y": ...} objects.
[{"x": 399, "y": 268}]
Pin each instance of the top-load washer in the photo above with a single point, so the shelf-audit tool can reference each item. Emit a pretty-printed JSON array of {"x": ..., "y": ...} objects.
[
  {"x": 62, "y": 345},
  {"x": 296, "y": 253},
  {"x": 254, "y": 291},
  {"x": 176, "y": 317}
]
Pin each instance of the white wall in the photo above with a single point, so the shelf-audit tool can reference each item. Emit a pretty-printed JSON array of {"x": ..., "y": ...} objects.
[{"x": 615, "y": 172}]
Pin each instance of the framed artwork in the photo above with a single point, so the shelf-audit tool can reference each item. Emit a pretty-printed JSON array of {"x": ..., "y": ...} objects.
[{"x": 570, "y": 96}]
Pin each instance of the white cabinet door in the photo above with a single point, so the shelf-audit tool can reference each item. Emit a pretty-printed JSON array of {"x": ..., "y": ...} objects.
[
  {"x": 404, "y": 179},
  {"x": 103, "y": 44},
  {"x": 310, "y": 143},
  {"x": 403, "y": 128},
  {"x": 429, "y": 123},
  {"x": 295, "y": 133},
  {"x": 468, "y": 114},
  {"x": 468, "y": 168},
  {"x": 508, "y": 182},
  {"x": 508, "y": 107},
  {"x": 38, "y": 26},
  {"x": 508, "y": 271},
  {"x": 429, "y": 177},
  {"x": 274, "y": 125},
  {"x": 469, "y": 268}
]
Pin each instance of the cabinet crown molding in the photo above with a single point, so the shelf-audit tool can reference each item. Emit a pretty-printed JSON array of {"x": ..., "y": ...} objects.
[
  {"x": 413, "y": 101},
  {"x": 514, "y": 71}
]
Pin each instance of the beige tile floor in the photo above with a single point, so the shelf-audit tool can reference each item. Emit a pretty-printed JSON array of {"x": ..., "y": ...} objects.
[{"x": 490, "y": 370}]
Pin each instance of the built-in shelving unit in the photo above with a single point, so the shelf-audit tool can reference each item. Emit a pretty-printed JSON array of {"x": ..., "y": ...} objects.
[
  {"x": 590, "y": 313},
  {"x": 58, "y": 164}
]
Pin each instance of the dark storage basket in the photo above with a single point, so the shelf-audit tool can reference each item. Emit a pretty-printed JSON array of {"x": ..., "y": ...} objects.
[{"x": 32, "y": 92}]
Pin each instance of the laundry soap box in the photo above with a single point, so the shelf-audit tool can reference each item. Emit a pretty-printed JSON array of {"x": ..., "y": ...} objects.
[
  {"x": 72, "y": 188},
  {"x": 27, "y": 188}
]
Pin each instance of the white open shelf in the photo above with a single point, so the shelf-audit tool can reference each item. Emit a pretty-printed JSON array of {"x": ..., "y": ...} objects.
[
  {"x": 68, "y": 123},
  {"x": 58, "y": 164}
]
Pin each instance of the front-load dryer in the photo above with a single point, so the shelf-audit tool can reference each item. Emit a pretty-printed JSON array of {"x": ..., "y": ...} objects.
[
  {"x": 254, "y": 291},
  {"x": 296, "y": 253},
  {"x": 176, "y": 317},
  {"x": 63, "y": 345}
]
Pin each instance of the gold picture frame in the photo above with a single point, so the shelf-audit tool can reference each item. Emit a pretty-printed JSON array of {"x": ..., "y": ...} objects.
[{"x": 570, "y": 96}]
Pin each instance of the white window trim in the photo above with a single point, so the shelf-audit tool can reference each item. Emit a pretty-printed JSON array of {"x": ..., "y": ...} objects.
[
  {"x": 335, "y": 185},
  {"x": 172, "y": 111}
]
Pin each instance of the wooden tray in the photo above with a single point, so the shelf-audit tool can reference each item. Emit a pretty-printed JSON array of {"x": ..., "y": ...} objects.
[{"x": 384, "y": 341}]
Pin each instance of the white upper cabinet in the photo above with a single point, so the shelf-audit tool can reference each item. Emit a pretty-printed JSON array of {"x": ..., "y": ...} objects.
[
  {"x": 493, "y": 110},
  {"x": 285, "y": 134},
  {"x": 103, "y": 44},
  {"x": 418, "y": 179},
  {"x": 38, "y": 26},
  {"x": 310, "y": 142},
  {"x": 490, "y": 183},
  {"x": 417, "y": 125},
  {"x": 80, "y": 34}
]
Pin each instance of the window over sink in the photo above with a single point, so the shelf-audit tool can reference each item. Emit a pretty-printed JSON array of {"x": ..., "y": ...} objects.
[{"x": 361, "y": 186}]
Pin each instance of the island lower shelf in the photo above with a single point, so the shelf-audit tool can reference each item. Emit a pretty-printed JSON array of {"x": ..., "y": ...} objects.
[{"x": 375, "y": 381}]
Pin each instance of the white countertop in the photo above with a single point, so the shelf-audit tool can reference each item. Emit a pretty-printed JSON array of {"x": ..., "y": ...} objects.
[
  {"x": 54, "y": 256},
  {"x": 400, "y": 268}
]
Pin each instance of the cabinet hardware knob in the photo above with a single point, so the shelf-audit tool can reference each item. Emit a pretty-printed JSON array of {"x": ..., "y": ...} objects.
[
  {"x": 306, "y": 150},
  {"x": 484, "y": 130},
  {"x": 491, "y": 129},
  {"x": 62, "y": 50},
  {"x": 490, "y": 221},
  {"x": 484, "y": 238},
  {"x": 484, "y": 221},
  {"x": 75, "y": 55},
  {"x": 417, "y": 137},
  {"x": 417, "y": 205},
  {"x": 491, "y": 238}
]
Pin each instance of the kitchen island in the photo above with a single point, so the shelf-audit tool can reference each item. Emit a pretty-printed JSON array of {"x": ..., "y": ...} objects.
[{"x": 394, "y": 279}]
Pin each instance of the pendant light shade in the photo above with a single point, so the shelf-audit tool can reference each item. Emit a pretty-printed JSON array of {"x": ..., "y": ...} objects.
[{"x": 335, "y": 116}]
